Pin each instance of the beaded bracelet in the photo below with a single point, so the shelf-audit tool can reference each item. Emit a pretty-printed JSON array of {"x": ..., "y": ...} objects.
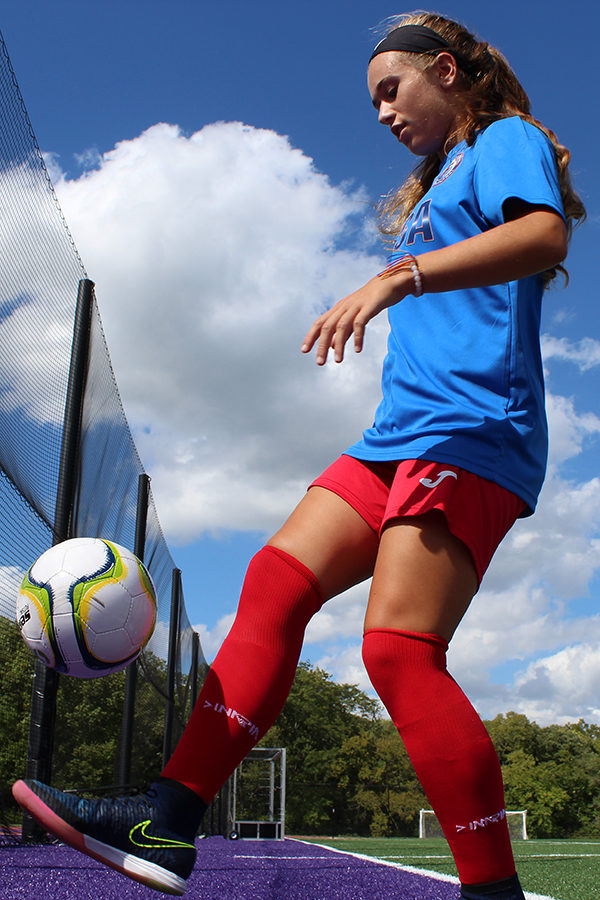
[{"x": 406, "y": 262}]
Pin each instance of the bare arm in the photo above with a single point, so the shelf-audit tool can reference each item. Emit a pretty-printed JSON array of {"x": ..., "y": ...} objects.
[{"x": 532, "y": 241}]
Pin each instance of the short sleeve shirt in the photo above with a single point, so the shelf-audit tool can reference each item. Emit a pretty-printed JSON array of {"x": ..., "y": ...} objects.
[{"x": 462, "y": 379}]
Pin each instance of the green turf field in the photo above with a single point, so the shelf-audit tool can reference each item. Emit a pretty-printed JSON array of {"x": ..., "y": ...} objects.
[{"x": 566, "y": 870}]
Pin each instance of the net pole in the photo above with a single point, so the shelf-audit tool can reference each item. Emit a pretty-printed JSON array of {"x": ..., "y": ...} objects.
[
  {"x": 45, "y": 680},
  {"x": 172, "y": 663},
  {"x": 272, "y": 788},
  {"x": 194, "y": 669},
  {"x": 69, "y": 453},
  {"x": 282, "y": 792},
  {"x": 127, "y": 722}
]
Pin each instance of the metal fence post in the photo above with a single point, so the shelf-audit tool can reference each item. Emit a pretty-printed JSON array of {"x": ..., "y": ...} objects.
[
  {"x": 45, "y": 681},
  {"x": 172, "y": 663},
  {"x": 194, "y": 669},
  {"x": 131, "y": 671},
  {"x": 69, "y": 454}
]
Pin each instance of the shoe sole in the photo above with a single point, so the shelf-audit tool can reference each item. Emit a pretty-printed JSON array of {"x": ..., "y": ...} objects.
[{"x": 133, "y": 867}]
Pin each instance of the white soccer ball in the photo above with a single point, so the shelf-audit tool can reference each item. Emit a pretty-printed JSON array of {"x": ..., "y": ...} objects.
[{"x": 86, "y": 607}]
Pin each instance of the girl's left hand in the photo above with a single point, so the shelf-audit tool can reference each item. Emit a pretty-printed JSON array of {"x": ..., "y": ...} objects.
[{"x": 351, "y": 315}]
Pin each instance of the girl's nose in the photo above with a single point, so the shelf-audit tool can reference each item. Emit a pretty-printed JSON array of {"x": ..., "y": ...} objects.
[{"x": 386, "y": 114}]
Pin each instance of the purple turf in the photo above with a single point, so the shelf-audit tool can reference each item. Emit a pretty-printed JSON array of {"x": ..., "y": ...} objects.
[{"x": 225, "y": 870}]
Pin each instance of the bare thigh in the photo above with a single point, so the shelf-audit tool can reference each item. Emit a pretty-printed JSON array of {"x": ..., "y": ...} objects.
[
  {"x": 330, "y": 538},
  {"x": 424, "y": 578}
]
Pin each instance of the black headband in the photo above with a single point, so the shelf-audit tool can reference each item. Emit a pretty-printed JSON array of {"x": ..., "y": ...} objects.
[{"x": 411, "y": 38}]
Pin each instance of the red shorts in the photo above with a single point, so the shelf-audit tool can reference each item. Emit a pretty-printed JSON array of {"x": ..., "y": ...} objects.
[{"x": 478, "y": 512}]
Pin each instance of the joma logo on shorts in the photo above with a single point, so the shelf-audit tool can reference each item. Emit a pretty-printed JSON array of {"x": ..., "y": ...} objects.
[{"x": 446, "y": 473}]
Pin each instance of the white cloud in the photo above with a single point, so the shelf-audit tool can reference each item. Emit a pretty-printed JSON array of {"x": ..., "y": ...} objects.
[
  {"x": 347, "y": 665},
  {"x": 585, "y": 353},
  {"x": 563, "y": 687},
  {"x": 212, "y": 255},
  {"x": 569, "y": 430},
  {"x": 212, "y": 638},
  {"x": 341, "y": 617}
]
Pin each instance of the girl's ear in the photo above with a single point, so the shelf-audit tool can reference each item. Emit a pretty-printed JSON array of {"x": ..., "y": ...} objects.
[{"x": 446, "y": 68}]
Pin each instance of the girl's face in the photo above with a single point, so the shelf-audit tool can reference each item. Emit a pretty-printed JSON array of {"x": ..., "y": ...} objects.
[{"x": 420, "y": 108}]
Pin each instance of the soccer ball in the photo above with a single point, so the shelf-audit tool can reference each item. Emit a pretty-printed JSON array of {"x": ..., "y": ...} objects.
[{"x": 86, "y": 607}]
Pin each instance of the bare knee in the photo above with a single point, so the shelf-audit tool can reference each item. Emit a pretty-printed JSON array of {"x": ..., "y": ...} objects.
[{"x": 424, "y": 578}]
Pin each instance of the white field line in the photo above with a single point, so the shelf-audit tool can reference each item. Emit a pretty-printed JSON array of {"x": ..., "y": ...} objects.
[
  {"x": 438, "y": 876},
  {"x": 566, "y": 841},
  {"x": 517, "y": 856},
  {"x": 558, "y": 856},
  {"x": 275, "y": 856}
]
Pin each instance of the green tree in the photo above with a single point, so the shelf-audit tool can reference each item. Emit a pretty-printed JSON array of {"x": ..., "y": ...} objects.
[
  {"x": 575, "y": 750},
  {"x": 513, "y": 731},
  {"x": 348, "y": 771},
  {"x": 16, "y": 678},
  {"x": 553, "y": 772},
  {"x": 150, "y": 708},
  {"x": 88, "y": 728},
  {"x": 537, "y": 788},
  {"x": 318, "y": 717},
  {"x": 88, "y": 719},
  {"x": 376, "y": 774}
]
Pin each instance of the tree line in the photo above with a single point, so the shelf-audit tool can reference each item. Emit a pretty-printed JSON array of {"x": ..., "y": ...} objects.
[{"x": 347, "y": 769}]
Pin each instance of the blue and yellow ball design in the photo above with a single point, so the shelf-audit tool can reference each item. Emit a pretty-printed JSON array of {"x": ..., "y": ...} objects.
[{"x": 86, "y": 607}]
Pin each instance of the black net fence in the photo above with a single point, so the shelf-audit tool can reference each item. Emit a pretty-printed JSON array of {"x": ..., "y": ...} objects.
[{"x": 40, "y": 277}]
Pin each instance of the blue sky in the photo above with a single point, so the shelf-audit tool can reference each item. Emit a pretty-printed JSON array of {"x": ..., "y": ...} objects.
[{"x": 218, "y": 166}]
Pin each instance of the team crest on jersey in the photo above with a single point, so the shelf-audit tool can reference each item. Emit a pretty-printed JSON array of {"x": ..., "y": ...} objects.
[{"x": 449, "y": 170}]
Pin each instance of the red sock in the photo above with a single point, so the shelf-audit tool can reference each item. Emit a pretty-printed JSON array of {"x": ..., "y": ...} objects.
[
  {"x": 249, "y": 681},
  {"x": 449, "y": 747}
]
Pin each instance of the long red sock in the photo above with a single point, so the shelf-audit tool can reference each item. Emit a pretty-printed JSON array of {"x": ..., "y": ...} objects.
[
  {"x": 449, "y": 747},
  {"x": 249, "y": 681}
]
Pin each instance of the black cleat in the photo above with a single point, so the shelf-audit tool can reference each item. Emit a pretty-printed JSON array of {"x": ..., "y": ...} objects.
[{"x": 148, "y": 836}]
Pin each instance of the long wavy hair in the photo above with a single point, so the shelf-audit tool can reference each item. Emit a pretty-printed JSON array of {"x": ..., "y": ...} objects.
[{"x": 490, "y": 90}]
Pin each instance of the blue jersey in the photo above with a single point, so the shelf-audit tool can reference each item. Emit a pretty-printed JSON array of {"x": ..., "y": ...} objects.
[{"x": 462, "y": 379}]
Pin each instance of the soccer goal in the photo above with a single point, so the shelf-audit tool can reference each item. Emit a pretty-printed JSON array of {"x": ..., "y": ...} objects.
[
  {"x": 516, "y": 819},
  {"x": 258, "y": 801}
]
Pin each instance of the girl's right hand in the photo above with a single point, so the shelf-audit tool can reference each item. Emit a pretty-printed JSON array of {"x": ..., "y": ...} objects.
[{"x": 350, "y": 316}]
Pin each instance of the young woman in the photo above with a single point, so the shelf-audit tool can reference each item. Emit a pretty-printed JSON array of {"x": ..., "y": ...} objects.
[{"x": 456, "y": 453}]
